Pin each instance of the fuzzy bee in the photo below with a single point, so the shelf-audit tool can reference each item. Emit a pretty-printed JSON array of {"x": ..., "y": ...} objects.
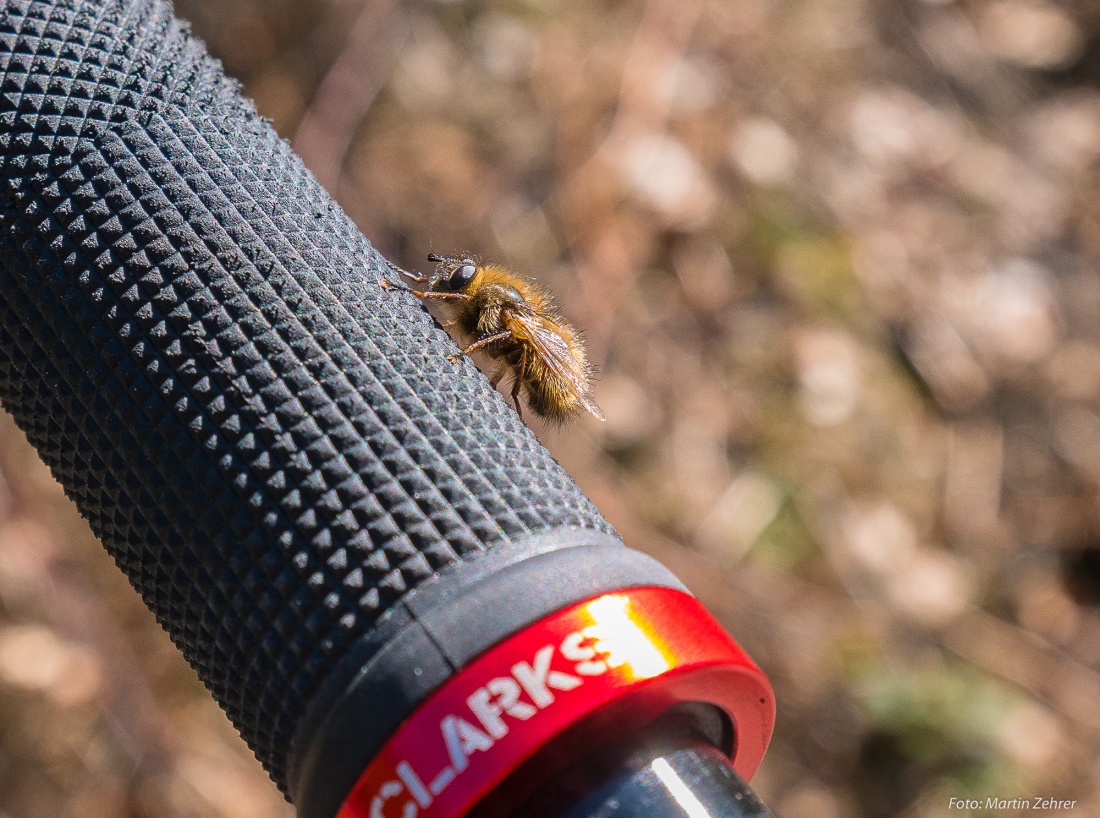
[{"x": 515, "y": 325}]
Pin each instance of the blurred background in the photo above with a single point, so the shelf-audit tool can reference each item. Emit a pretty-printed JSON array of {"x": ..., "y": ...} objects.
[{"x": 837, "y": 261}]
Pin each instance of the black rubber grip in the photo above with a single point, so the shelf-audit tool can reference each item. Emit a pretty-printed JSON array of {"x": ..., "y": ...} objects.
[{"x": 275, "y": 450}]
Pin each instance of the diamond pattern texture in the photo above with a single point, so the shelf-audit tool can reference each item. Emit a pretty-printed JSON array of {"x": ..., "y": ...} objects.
[{"x": 192, "y": 334}]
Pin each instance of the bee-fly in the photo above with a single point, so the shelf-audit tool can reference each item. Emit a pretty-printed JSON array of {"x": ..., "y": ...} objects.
[{"x": 515, "y": 324}]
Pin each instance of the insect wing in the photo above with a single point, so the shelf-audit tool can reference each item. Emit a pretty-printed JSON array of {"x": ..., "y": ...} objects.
[{"x": 555, "y": 353}]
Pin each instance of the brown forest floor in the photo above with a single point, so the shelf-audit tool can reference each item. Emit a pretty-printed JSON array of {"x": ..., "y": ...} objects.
[{"x": 838, "y": 263}]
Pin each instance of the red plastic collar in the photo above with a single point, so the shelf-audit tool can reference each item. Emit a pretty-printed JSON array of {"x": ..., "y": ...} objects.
[{"x": 657, "y": 645}]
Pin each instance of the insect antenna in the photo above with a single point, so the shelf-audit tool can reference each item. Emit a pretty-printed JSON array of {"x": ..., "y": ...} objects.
[{"x": 404, "y": 272}]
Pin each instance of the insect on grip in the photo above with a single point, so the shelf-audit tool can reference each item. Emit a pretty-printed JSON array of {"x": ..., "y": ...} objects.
[{"x": 515, "y": 324}]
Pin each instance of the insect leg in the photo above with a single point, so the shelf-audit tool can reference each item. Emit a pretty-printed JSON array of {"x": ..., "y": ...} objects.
[
  {"x": 404, "y": 272},
  {"x": 389, "y": 285},
  {"x": 515, "y": 398},
  {"x": 517, "y": 383},
  {"x": 479, "y": 343}
]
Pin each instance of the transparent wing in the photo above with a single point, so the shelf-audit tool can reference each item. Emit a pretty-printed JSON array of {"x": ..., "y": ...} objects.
[{"x": 556, "y": 355}]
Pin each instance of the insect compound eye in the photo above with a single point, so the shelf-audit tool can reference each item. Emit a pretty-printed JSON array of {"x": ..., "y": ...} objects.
[{"x": 461, "y": 276}]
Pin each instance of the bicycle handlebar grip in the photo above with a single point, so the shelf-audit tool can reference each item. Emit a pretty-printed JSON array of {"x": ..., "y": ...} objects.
[{"x": 328, "y": 517}]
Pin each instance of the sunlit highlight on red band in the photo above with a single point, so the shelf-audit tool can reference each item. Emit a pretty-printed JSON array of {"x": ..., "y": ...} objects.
[{"x": 653, "y": 645}]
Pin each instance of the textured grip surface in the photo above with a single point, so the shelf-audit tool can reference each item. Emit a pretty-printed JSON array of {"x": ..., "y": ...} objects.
[{"x": 192, "y": 334}]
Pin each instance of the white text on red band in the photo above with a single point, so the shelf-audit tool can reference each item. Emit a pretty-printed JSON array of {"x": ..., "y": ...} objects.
[{"x": 531, "y": 687}]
